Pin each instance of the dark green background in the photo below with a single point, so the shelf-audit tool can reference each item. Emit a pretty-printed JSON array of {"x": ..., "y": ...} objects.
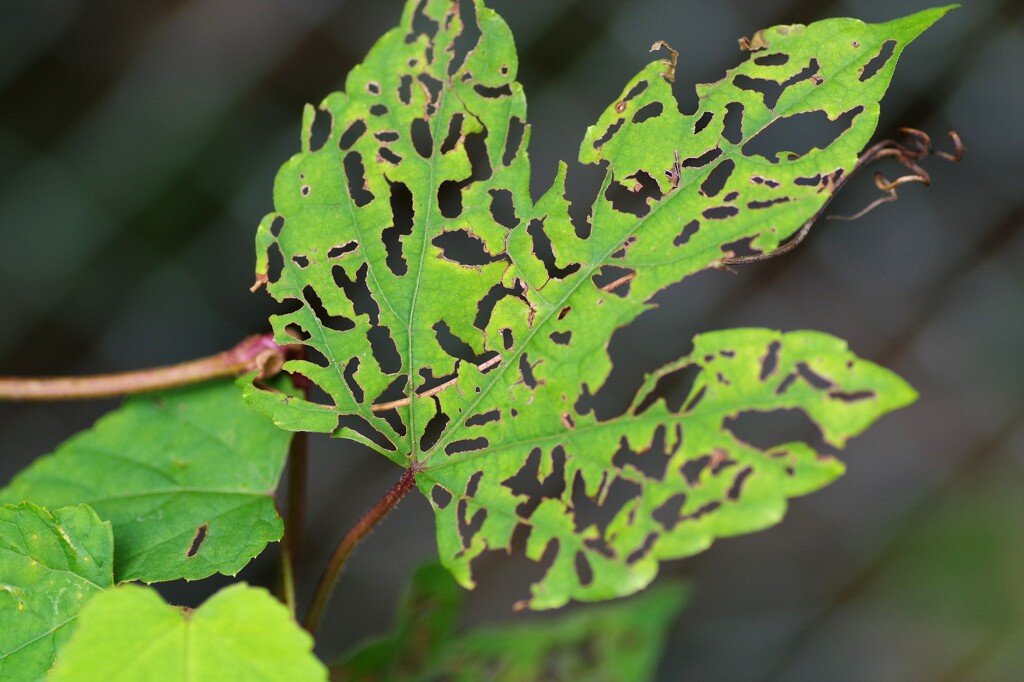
[{"x": 138, "y": 145}]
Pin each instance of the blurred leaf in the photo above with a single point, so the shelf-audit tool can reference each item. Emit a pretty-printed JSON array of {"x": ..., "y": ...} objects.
[
  {"x": 185, "y": 477},
  {"x": 51, "y": 564},
  {"x": 621, "y": 641},
  {"x": 461, "y": 329},
  {"x": 241, "y": 633}
]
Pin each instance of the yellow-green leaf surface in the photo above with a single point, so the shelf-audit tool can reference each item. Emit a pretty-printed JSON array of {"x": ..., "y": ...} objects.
[
  {"x": 459, "y": 327},
  {"x": 241, "y": 633},
  {"x": 51, "y": 565},
  {"x": 185, "y": 477},
  {"x": 622, "y": 641}
]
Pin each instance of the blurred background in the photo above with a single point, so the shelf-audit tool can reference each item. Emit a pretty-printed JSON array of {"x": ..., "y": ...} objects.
[{"x": 138, "y": 145}]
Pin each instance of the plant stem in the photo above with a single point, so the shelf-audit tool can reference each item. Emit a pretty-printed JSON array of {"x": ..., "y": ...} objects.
[
  {"x": 295, "y": 519},
  {"x": 256, "y": 353},
  {"x": 348, "y": 543}
]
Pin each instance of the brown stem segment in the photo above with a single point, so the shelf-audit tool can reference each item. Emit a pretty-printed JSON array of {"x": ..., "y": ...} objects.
[
  {"x": 349, "y": 542},
  {"x": 256, "y": 353}
]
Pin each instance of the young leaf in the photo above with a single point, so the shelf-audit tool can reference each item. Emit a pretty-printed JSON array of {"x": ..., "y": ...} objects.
[
  {"x": 51, "y": 564},
  {"x": 459, "y": 328},
  {"x": 240, "y": 633},
  {"x": 617, "y": 642},
  {"x": 186, "y": 478}
]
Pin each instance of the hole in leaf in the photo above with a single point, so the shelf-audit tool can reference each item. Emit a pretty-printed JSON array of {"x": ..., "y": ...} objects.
[
  {"x": 301, "y": 261},
  {"x": 463, "y": 247},
  {"x": 486, "y": 305},
  {"x": 454, "y": 133},
  {"x": 402, "y": 213},
  {"x": 737, "y": 484},
  {"x": 484, "y": 418},
  {"x": 741, "y": 248},
  {"x": 702, "y": 160},
  {"x": 384, "y": 350},
  {"x": 476, "y": 149},
  {"x": 673, "y": 387},
  {"x": 526, "y": 370},
  {"x": 449, "y": 199},
  {"x": 851, "y": 397},
  {"x": 669, "y": 514},
  {"x": 340, "y": 250},
  {"x": 422, "y": 140},
  {"x": 358, "y": 425},
  {"x": 773, "y": 59},
  {"x": 640, "y": 552},
  {"x": 504, "y": 90},
  {"x": 354, "y": 173},
  {"x": 526, "y": 482},
  {"x": 770, "y": 361},
  {"x": 503, "y": 210},
  {"x": 701, "y": 123},
  {"x": 651, "y": 462},
  {"x": 422, "y": 25},
  {"x": 715, "y": 182},
  {"x": 588, "y": 512},
  {"x": 386, "y": 136},
  {"x": 516, "y": 130},
  {"x": 720, "y": 213},
  {"x": 352, "y": 134},
  {"x": 767, "y": 203},
  {"x": 441, "y": 497},
  {"x": 350, "y": 379},
  {"x": 767, "y": 430},
  {"x": 794, "y": 136},
  {"x": 561, "y": 338},
  {"x": 583, "y": 570},
  {"x": 433, "y": 88},
  {"x": 636, "y": 199},
  {"x": 732, "y": 124},
  {"x": 334, "y": 322},
  {"x": 358, "y": 292},
  {"x": 467, "y": 38},
  {"x": 689, "y": 230},
  {"x": 609, "y": 134},
  {"x": 878, "y": 61},
  {"x": 385, "y": 154},
  {"x": 454, "y": 346},
  {"x": 378, "y": 110},
  {"x": 610, "y": 274},
  {"x": 320, "y": 130},
  {"x": 197, "y": 540},
  {"x": 542, "y": 249},
  {"x": 647, "y": 112},
  {"x": 405, "y": 89},
  {"x": 466, "y": 445},
  {"x": 507, "y": 340},
  {"x": 435, "y": 427}
]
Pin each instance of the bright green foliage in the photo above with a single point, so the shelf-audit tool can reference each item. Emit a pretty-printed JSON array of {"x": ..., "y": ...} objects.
[
  {"x": 418, "y": 267},
  {"x": 186, "y": 478},
  {"x": 622, "y": 641},
  {"x": 51, "y": 564},
  {"x": 241, "y": 633}
]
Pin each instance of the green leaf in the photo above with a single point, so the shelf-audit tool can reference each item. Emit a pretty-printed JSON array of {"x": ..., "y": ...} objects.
[
  {"x": 240, "y": 633},
  {"x": 460, "y": 329},
  {"x": 186, "y": 478},
  {"x": 622, "y": 641},
  {"x": 51, "y": 564}
]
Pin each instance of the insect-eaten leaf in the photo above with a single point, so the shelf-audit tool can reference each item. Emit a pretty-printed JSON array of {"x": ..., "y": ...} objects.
[
  {"x": 458, "y": 327},
  {"x": 185, "y": 477},
  {"x": 240, "y": 633},
  {"x": 622, "y": 641},
  {"x": 51, "y": 565}
]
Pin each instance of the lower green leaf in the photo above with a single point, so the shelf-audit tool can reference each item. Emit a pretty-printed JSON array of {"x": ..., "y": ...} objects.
[
  {"x": 621, "y": 641},
  {"x": 51, "y": 564},
  {"x": 186, "y": 477},
  {"x": 240, "y": 633}
]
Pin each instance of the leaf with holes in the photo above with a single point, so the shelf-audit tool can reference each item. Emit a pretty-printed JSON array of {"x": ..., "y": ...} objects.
[
  {"x": 240, "y": 633},
  {"x": 185, "y": 477},
  {"x": 460, "y": 328},
  {"x": 51, "y": 565},
  {"x": 621, "y": 641}
]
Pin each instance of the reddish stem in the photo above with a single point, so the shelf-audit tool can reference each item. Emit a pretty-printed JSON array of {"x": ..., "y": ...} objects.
[
  {"x": 349, "y": 542},
  {"x": 256, "y": 353}
]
